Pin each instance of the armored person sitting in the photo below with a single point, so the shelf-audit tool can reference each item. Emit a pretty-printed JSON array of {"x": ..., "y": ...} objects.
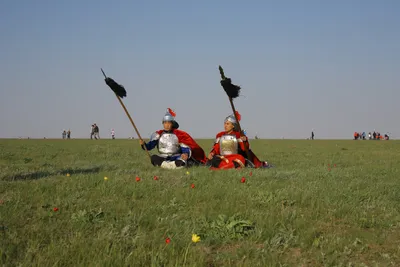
[
  {"x": 229, "y": 148},
  {"x": 177, "y": 148}
]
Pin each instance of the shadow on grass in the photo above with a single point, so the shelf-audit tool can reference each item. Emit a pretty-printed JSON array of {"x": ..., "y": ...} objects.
[{"x": 43, "y": 174}]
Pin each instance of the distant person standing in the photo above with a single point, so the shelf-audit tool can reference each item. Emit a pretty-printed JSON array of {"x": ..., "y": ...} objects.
[
  {"x": 69, "y": 134},
  {"x": 64, "y": 133},
  {"x": 96, "y": 132},
  {"x": 312, "y": 135},
  {"x": 112, "y": 134},
  {"x": 91, "y": 132}
]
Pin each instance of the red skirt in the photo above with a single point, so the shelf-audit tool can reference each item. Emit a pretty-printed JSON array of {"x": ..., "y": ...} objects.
[{"x": 228, "y": 162}]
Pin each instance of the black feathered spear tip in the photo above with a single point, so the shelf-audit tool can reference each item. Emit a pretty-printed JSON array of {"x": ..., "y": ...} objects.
[
  {"x": 118, "y": 89},
  {"x": 231, "y": 90}
]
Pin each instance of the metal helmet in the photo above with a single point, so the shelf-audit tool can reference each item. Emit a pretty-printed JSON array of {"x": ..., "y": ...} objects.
[
  {"x": 231, "y": 118},
  {"x": 170, "y": 116}
]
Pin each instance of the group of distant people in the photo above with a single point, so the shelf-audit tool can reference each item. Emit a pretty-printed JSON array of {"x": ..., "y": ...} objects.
[
  {"x": 66, "y": 134},
  {"x": 95, "y": 132},
  {"x": 371, "y": 136}
]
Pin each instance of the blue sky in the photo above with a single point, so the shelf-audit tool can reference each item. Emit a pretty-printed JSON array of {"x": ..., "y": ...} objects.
[{"x": 331, "y": 66}]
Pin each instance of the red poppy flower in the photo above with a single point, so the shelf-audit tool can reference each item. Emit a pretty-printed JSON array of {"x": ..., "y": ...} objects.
[
  {"x": 168, "y": 240},
  {"x": 55, "y": 209},
  {"x": 137, "y": 179},
  {"x": 334, "y": 165},
  {"x": 243, "y": 180},
  {"x": 251, "y": 173},
  {"x": 192, "y": 185},
  {"x": 155, "y": 177}
]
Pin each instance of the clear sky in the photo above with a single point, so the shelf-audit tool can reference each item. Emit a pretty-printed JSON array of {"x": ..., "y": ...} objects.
[{"x": 331, "y": 66}]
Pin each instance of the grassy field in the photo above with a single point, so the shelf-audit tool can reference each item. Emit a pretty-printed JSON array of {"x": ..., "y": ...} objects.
[{"x": 326, "y": 203}]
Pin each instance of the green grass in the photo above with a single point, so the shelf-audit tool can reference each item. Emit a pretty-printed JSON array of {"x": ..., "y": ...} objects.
[{"x": 299, "y": 213}]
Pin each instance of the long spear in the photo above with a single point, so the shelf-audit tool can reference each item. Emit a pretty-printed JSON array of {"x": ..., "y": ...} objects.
[
  {"x": 232, "y": 91},
  {"x": 120, "y": 92}
]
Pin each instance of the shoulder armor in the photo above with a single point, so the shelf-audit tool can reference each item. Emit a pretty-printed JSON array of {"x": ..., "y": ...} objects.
[{"x": 155, "y": 136}]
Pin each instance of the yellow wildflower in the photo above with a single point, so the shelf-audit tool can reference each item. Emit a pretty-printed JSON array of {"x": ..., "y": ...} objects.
[{"x": 195, "y": 238}]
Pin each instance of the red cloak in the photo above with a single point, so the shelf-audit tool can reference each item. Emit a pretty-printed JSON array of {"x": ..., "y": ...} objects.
[{"x": 184, "y": 138}]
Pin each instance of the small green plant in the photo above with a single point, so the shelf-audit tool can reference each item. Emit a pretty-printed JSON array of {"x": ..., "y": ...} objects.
[
  {"x": 224, "y": 227},
  {"x": 92, "y": 216}
]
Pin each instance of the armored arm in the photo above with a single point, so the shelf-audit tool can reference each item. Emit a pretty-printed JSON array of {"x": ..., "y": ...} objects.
[
  {"x": 186, "y": 150},
  {"x": 153, "y": 142},
  {"x": 243, "y": 141},
  {"x": 215, "y": 149},
  {"x": 150, "y": 145}
]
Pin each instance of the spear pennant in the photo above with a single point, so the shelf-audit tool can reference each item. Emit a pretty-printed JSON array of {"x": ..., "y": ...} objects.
[
  {"x": 120, "y": 92},
  {"x": 232, "y": 91}
]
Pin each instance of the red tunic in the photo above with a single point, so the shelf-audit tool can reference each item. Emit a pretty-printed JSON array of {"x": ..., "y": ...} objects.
[
  {"x": 184, "y": 138},
  {"x": 227, "y": 161}
]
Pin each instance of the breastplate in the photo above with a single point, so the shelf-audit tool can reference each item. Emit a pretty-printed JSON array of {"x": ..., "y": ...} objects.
[
  {"x": 168, "y": 144},
  {"x": 228, "y": 145}
]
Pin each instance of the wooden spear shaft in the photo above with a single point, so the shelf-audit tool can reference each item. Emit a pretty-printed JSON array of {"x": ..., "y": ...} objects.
[
  {"x": 221, "y": 71},
  {"x": 133, "y": 124},
  {"x": 130, "y": 118},
  {"x": 239, "y": 128}
]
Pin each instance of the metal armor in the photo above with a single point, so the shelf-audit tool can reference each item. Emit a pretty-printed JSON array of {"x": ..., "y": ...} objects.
[
  {"x": 228, "y": 145},
  {"x": 155, "y": 136},
  {"x": 168, "y": 144}
]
